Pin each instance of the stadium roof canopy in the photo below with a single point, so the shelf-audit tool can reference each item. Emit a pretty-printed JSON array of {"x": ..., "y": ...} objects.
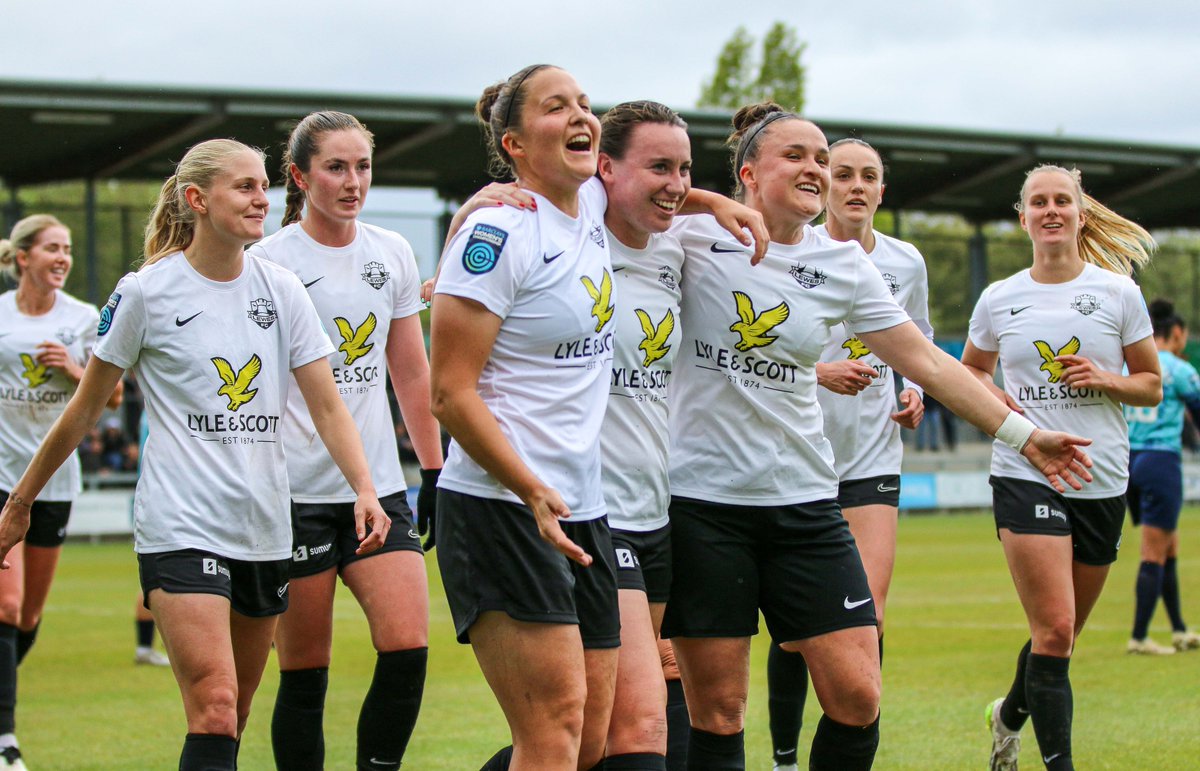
[{"x": 55, "y": 131}]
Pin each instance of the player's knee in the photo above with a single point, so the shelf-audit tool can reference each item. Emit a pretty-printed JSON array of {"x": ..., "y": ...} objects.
[
  {"x": 723, "y": 715},
  {"x": 638, "y": 732},
  {"x": 217, "y": 709},
  {"x": 10, "y": 609},
  {"x": 1056, "y": 637}
]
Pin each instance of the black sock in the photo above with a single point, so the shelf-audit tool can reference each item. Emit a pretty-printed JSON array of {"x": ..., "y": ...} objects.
[
  {"x": 1015, "y": 709},
  {"x": 208, "y": 752},
  {"x": 635, "y": 761},
  {"x": 1048, "y": 686},
  {"x": 145, "y": 633},
  {"x": 679, "y": 725},
  {"x": 500, "y": 761},
  {"x": 1170, "y": 596},
  {"x": 390, "y": 709},
  {"x": 25, "y": 641},
  {"x": 297, "y": 735},
  {"x": 716, "y": 752},
  {"x": 8, "y": 678},
  {"x": 840, "y": 747},
  {"x": 787, "y": 690},
  {"x": 1146, "y": 590}
]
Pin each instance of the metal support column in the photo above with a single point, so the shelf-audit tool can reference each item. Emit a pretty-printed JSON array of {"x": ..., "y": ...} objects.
[
  {"x": 92, "y": 260},
  {"x": 978, "y": 262}
]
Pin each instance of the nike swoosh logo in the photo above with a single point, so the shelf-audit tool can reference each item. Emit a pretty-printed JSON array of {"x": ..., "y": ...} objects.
[
  {"x": 549, "y": 260},
  {"x": 378, "y": 762},
  {"x": 1015, "y": 311},
  {"x": 852, "y": 605},
  {"x": 618, "y": 270},
  {"x": 179, "y": 323},
  {"x": 883, "y": 489},
  {"x": 315, "y": 280},
  {"x": 1047, "y": 760},
  {"x": 718, "y": 250}
]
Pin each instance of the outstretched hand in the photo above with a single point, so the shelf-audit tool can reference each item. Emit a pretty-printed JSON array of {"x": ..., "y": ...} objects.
[
  {"x": 1060, "y": 458},
  {"x": 371, "y": 524},
  {"x": 14, "y": 523},
  {"x": 737, "y": 218}
]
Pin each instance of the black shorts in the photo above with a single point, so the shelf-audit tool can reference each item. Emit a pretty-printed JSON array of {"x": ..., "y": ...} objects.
[
  {"x": 643, "y": 560},
  {"x": 798, "y": 563},
  {"x": 882, "y": 491},
  {"x": 1094, "y": 524},
  {"x": 492, "y": 558},
  {"x": 323, "y": 534},
  {"x": 1155, "y": 494},
  {"x": 253, "y": 589},
  {"x": 47, "y": 522}
]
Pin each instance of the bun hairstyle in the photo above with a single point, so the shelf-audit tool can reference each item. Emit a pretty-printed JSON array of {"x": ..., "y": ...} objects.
[
  {"x": 172, "y": 224},
  {"x": 499, "y": 109},
  {"x": 617, "y": 125},
  {"x": 749, "y": 123},
  {"x": 24, "y": 234},
  {"x": 1106, "y": 239},
  {"x": 1164, "y": 319},
  {"x": 303, "y": 143}
]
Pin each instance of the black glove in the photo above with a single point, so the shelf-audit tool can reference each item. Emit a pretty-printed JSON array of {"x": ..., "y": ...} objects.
[{"x": 427, "y": 506}]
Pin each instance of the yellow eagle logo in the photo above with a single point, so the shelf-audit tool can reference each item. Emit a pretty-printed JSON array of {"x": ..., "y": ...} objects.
[
  {"x": 602, "y": 307},
  {"x": 35, "y": 374},
  {"x": 1051, "y": 367},
  {"x": 856, "y": 347},
  {"x": 354, "y": 341},
  {"x": 236, "y": 385},
  {"x": 655, "y": 345},
  {"x": 753, "y": 328}
]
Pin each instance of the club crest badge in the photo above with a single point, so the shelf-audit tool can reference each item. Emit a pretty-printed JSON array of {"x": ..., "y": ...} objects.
[
  {"x": 807, "y": 277},
  {"x": 666, "y": 277},
  {"x": 893, "y": 284},
  {"x": 597, "y": 235},
  {"x": 374, "y": 274},
  {"x": 66, "y": 335},
  {"x": 262, "y": 312},
  {"x": 1086, "y": 304}
]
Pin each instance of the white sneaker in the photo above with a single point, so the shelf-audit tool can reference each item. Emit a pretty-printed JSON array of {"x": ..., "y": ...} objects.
[
  {"x": 1148, "y": 647},
  {"x": 149, "y": 656},
  {"x": 788, "y": 767},
  {"x": 10, "y": 759},
  {"x": 1185, "y": 641},
  {"x": 1006, "y": 744}
]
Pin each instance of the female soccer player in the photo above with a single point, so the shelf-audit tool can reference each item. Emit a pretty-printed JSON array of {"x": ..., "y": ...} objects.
[
  {"x": 45, "y": 339},
  {"x": 1062, "y": 331},
  {"x": 1155, "y": 494},
  {"x": 212, "y": 334},
  {"x": 754, "y": 517},
  {"x": 363, "y": 281},
  {"x": 858, "y": 401}
]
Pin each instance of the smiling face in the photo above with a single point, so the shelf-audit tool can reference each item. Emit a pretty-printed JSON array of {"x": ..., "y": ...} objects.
[
  {"x": 47, "y": 262},
  {"x": 647, "y": 186},
  {"x": 235, "y": 204},
  {"x": 856, "y": 186},
  {"x": 556, "y": 146},
  {"x": 1050, "y": 210},
  {"x": 788, "y": 179},
  {"x": 338, "y": 176}
]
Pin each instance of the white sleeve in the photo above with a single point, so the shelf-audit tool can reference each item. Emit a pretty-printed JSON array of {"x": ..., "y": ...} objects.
[
  {"x": 1135, "y": 319},
  {"x": 917, "y": 308},
  {"x": 980, "y": 331},
  {"x": 307, "y": 340},
  {"x": 122, "y": 328},
  {"x": 873, "y": 307},
  {"x": 407, "y": 290},
  {"x": 488, "y": 258}
]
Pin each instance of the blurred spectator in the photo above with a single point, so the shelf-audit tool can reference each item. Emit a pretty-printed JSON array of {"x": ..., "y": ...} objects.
[{"x": 91, "y": 452}]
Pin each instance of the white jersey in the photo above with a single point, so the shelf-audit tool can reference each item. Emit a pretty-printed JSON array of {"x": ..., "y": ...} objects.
[
  {"x": 866, "y": 441},
  {"x": 32, "y": 396},
  {"x": 358, "y": 289},
  {"x": 1095, "y": 316},
  {"x": 212, "y": 358},
  {"x": 634, "y": 439},
  {"x": 548, "y": 277},
  {"x": 746, "y": 426}
]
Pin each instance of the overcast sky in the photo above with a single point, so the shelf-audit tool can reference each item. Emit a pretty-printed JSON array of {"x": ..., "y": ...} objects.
[{"x": 1104, "y": 68}]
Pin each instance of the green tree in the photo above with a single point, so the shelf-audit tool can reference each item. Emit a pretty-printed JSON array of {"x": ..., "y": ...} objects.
[{"x": 777, "y": 74}]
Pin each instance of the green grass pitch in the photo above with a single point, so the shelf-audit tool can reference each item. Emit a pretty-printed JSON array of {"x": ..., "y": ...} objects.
[{"x": 954, "y": 628}]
